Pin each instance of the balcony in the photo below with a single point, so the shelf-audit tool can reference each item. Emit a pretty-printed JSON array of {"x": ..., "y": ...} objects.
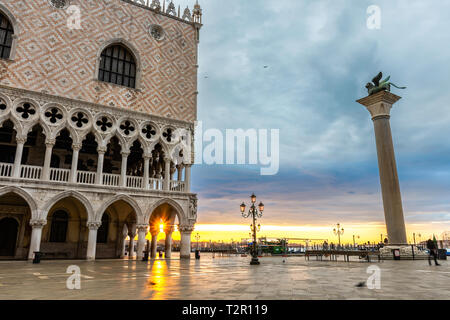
[{"x": 28, "y": 172}]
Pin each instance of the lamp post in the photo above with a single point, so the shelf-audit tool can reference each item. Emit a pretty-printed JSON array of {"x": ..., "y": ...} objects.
[
  {"x": 197, "y": 238},
  {"x": 354, "y": 242},
  {"x": 339, "y": 231},
  {"x": 254, "y": 213}
]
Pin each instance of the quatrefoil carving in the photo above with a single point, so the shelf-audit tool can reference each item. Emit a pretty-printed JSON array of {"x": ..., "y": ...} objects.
[
  {"x": 127, "y": 127},
  {"x": 26, "y": 110},
  {"x": 3, "y": 105},
  {"x": 104, "y": 124},
  {"x": 54, "y": 115},
  {"x": 149, "y": 131},
  {"x": 80, "y": 119},
  {"x": 168, "y": 134}
]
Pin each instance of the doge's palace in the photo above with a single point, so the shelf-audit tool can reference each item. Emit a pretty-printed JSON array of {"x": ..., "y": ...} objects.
[{"x": 98, "y": 100}]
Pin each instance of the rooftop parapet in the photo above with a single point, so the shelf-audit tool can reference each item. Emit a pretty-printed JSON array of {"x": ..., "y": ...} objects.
[{"x": 171, "y": 11}]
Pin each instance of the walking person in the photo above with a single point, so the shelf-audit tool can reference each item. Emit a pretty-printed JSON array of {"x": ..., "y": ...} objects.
[{"x": 431, "y": 245}]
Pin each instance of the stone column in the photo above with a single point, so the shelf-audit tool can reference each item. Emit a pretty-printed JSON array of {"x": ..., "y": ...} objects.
[
  {"x": 101, "y": 158},
  {"x": 76, "y": 147},
  {"x": 123, "y": 172},
  {"x": 167, "y": 174},
  {"x": 92, "y": 240},
  {"x": 18, "y": 158},
  {"x": 142, "y": 232},
  {"x": 154, "y": 246},
  {"x": 36, "y": 234},
  {"x": 379, "y": 106},
  {"x": 124, "y": 240},
  {"x": 131, "y": 234},
  {"x": 179, "y": 172},
  {"x": 48, "y": 158},
  {"x": 185, "y": 244},
  {"x": 187, "y": 176},
  {"x": 147, "y": 158},
  {"x": 168, "y": 245}
]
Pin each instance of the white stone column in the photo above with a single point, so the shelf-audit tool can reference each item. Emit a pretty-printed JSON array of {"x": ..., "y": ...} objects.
[
  {"x": 124, "y": 240},
  {"x": 180, "y": 172},
  {"x": 132, "y": 235},
  {"x": 187, "y": 175},
  {"x": 101, "y": 158},
  {"x": 142, "y": 233},
  {"x": 92, "y": 240},
  {"x": 185, "y": 243},
  {"x": 76, "y": 147},
  {"x": 36, "y": 234},
  {"x": 168, "y": 245},
  {"x": 147, "y": 158},
  {"x": 20, "y": 141},
  {"x": 154, "y": 246},
  {"x": 379, "y": 106},
  {"x": 167, "y": 174},
  {"x": 123, "y": 172},
  {"x": 49, "y": 144}
]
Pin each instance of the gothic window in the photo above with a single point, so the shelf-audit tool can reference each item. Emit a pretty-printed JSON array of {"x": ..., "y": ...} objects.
[
  {"x": 6, "y": 33},
  {"x": 58, "y": 231},
  {"x": 102, "y": 233},
  {"x": 118, "y": 66}
]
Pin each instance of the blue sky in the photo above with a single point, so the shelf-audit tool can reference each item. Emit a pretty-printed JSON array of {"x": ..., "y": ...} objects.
[{"x": 319, "y": 55}]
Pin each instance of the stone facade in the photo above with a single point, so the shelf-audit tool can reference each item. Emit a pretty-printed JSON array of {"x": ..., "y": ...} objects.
[{"x": 82, "y": 159}]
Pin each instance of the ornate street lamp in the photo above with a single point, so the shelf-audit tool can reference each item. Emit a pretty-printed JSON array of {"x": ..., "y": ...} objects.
[
  {"x": 339, "y": 231},
  {"x": 354, "y": 242},
  {"x": 254, "y": 213}
]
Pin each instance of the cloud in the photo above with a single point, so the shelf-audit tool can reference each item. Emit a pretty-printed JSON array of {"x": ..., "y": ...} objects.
[{"x": 319, "y": 56}]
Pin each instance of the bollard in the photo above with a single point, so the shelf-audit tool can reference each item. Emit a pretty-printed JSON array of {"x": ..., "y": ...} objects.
[{"x": 37, "y": 257}]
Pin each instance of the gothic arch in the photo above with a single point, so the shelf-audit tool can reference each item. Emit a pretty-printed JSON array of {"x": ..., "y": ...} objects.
[
  {"x": 130, "y": 201},
  {"x": 26, "y": 196},
  {"x": 178, "y": 209},
  {"x": 70, "y": 194}
]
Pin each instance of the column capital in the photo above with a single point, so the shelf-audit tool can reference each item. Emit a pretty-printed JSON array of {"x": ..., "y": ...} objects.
[
  {"x": 77, "y": 146},
  {"x": 167, "y": 159},
  {"x": 125, "y": 153},
  {"x": 102, "y": 149},
  {"x": 187, "y": 165},
  {"x": 37, "y": 223},
  {"x": 147, "y": 156},
  {"x": 186, "y": 228},
  {"x": 21, "y": 140},
  {"x": 379, "y": 104},
  {"x": 50, "y": 143},
  {"x": 93, "y": 225},
  {"x": 142, "y": 227}
]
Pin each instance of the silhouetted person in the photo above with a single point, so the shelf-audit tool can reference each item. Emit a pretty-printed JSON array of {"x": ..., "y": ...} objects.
[{"x": 433, "y": 252}]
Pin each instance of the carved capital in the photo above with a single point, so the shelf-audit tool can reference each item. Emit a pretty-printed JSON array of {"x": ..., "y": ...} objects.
[
  {"x": 186, "y": 228},
  {"x": 93, "y": 225},
  {"x": 102, "y": 149},
  {"x": 142, "y": 227},
  {"x": 37, "y": 223},
  {"x": 77, "y": 146},
  {"x": 50, "y": 143},
  {"x": 379, "y": 104},
  {"x": 21, "y": 140},
  {"x": 125, "y": 154}
]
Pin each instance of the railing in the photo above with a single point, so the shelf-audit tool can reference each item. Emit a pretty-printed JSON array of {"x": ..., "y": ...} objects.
[
  {"x": 156, "y": 184},
  {"x": 6, "y": 169},
  {"x": 112, "y": 180},
  {"x": 86, "y": 177},
  {"x": 30, "y": 172},
  {"x": 60, "y": 175},
  {"x": 178, "y": 186},
  {"x": 134, "y": 182}
]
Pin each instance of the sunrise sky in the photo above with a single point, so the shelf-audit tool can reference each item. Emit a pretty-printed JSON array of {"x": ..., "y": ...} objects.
[{"x": 319, "y": 55}]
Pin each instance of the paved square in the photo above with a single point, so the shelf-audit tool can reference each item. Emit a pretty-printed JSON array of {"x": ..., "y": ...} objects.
[{"x": 223, "y": 278}]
